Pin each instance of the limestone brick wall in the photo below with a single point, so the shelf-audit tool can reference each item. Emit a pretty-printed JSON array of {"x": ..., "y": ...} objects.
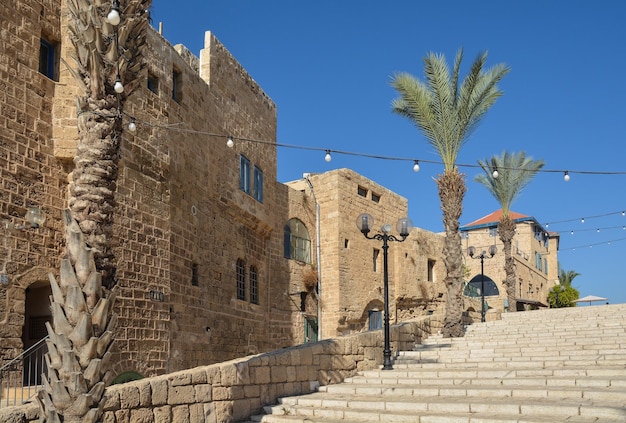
[
  {"x": 233, "y": 391},
  {"x": 29, "y": 175}
]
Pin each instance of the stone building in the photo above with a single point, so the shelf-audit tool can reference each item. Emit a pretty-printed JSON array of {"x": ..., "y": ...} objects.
[
  {"x": 535, "y": 251},
  {"x": 215, "y": 258}
]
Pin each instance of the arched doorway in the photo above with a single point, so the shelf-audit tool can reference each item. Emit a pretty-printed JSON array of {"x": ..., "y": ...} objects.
[{"x": 36, "y": 314}]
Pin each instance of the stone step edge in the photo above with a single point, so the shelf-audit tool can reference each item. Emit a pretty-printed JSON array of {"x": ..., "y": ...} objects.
[{"x": 557, "y": 409}]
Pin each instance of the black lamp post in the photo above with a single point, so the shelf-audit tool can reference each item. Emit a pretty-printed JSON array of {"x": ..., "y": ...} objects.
[
  {"x": 364, "y": 223},
  {"x": 482, "y": 257}
]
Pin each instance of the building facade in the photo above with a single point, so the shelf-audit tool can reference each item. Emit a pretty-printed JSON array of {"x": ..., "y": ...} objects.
[{"x": 535, "y": 253}]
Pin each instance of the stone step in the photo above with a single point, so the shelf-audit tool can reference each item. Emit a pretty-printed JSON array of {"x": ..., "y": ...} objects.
[
  {"x": 398, "y": 408},
  {"x": 530, "y": 367}
]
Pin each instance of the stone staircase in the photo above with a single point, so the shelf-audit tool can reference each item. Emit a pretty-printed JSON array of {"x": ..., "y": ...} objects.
[{"x": 544, "y": 366}]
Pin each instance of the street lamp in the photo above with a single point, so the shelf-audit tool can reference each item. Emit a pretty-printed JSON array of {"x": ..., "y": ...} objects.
[
  {"x": 34, "y": 216},
  {"x": 482, "y": 257},
  {"x": 365, "y": 222}
]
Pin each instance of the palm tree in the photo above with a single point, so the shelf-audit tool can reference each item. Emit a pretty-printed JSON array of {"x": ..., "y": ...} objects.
[
  {"x": 514, "y": 172},
  {"x": 107, "y": 51},
  {"x": 447, "y": 113},
  {"x": 564, "y": 294}
]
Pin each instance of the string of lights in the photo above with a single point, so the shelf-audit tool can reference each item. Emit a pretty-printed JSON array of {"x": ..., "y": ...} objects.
[{"x": 328, "y": 152}]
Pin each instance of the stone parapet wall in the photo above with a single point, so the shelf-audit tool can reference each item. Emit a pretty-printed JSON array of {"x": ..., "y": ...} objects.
[{"x": 234, "y": 390}]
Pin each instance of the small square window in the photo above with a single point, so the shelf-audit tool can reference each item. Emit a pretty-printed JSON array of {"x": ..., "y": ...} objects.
[
  {"x": 375, "y": 198},
  {"x": 362, "y": 191}
]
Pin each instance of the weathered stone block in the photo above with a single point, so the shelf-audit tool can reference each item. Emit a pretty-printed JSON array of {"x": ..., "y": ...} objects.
[
  {"x": 159, "y": 391},
  {"x": 181, "y": 395},
  {"x": 141, "y": 415}
]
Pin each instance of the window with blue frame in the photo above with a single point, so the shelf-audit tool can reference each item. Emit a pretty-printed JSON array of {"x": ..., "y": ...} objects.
[
  {"x": 244, "y": 174},
  {"x": 47, "y": 59},
  {"x": 258, "y": 184}
]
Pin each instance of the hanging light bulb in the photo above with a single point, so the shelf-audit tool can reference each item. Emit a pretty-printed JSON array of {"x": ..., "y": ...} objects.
[
  {"x": 114, "y": 15},
  {"x": 118, "y": 87},
  {"x": 566, "y": 176},
  {"x": 132, "y": 126},
  {"x": 328, "y": 158},
  {"x": 571, "y": 233},
  {"x": 230, "y": 142},
  {"x": 547, "y": 225},
  {"x": 495, "y": 173},
  {"x": 598, "y": 230},
  {"x": 623, "y": 213},
  {"x": 582, "y": 220},
  {"x": 416, "y": 166}
]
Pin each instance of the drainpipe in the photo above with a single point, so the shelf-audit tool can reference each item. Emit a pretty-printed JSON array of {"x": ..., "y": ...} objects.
[{"x": 318, "y": 258}]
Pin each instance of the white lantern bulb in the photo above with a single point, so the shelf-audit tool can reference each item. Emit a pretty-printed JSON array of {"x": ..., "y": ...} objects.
[
  {"x": 114, "y": 17},
  {"x": 230, "y": 142},
  {"x": 495, "y": 174},
  {"x": 416, "y": 167},
  {"x": 132, "y": 127},
  {"x": 328, "y": 158},
  {"x": 118, "y": 87}
]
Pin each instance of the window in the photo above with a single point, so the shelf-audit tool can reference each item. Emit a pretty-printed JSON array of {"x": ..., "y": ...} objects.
[
  {"x": 244, "y": 174},
  {"x": 47, "y": 59},
  {"x": 297, "y": 243},
  {"x": 375, "y": 198},
  {"x": 153, "y": 83},
  {"x": 464, "y": 234},
  {"x": 241, "y": 279},
  {"x": 545, "y": 266},
  {"x": 361, "y": 191},
  {"x": 375, "y": 255},
  {"x": 375, "y": 320},
  {"x": 493, "y": 231},
  {"x": 258, "y": 184},
  {"x": 177, "y": 85},
  {"x": 254, "y": 285},
  {"x": 194, "y": 274},
  {"x": 431, "y": 271}
]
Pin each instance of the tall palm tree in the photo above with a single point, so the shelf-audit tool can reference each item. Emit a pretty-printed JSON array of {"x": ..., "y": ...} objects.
[
  {"x": 106, "y": 51},
  {"x": 446, "y": 111},
  {"x": 514, "y": 172}
]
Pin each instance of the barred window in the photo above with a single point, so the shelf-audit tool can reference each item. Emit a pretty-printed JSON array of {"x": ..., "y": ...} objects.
[
  {"x": 241, "y": 279},
  {"x": 254, "y": 285}
]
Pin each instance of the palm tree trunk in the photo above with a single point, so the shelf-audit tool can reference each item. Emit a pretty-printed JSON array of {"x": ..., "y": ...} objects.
[
  {"x": 506, "y": 231},
  {"x": 80, "y": 337},
  {"x": 451, "y": 193},
  {"x": 94, "y": 177}
]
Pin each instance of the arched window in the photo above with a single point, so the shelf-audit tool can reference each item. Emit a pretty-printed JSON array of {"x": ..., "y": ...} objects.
[
  {"x": 472, "y": 289},
  {"x": 254, "y": 285},
  {"x": 241, "y": 279},
  {"x": 297, "y": 241}
]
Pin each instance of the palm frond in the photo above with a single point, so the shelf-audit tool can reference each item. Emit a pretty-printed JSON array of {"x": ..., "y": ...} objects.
[{"x": 515, "y": 171}]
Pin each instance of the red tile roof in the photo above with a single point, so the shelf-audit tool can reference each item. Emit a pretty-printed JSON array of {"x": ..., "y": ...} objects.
[{"x": 495, "y": 218}]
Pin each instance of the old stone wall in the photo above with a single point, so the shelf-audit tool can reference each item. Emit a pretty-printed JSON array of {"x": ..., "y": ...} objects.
[
  {"x": 235, "y": 390},
  {"x": 29, "y": 175}
]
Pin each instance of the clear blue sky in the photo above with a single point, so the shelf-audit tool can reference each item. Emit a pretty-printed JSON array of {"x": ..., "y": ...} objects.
[{"x": 327, "y": 66}]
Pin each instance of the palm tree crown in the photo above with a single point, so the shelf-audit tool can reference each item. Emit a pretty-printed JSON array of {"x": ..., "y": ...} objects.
[
  {"x": 515, "y": 171},
  {"x": 443, "y": 110}
]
